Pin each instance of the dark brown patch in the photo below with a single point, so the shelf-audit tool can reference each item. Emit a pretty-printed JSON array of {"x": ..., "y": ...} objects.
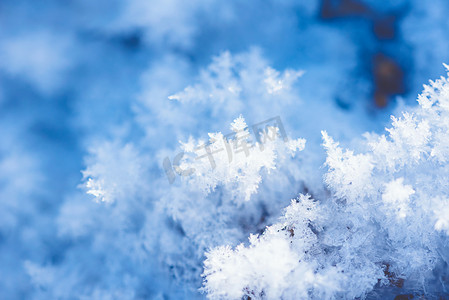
[
  {"x": 388, "y": 79},
  {"x": 392, "y": 278},
  {"x": 404, "y": 297}
]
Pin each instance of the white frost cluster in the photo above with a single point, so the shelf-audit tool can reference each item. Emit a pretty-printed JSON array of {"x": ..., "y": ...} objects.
[
  {"x": 115, "y": 173},
  {"x": 279, "y": 264},
  {"x": 230, "y": 81},
  {"x": 236, "y": 162},
  {"x": 385, "y": 222},
  {"x": 227, "y": 192}
]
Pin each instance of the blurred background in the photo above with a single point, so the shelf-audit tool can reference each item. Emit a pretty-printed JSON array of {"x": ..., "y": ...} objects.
[{"x": 76, "y": 73}]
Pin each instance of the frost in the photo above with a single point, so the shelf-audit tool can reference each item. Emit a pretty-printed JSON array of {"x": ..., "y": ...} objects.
[
  {"x": 385, "y": 222},
  {"x": 95, "y": 188},
  {"x": 276, "y": 265},
  {"x": 275, "y": 82},
  {"x": 116, "y": 171},
  {"x": 348, "y": 174},
  {"x": 233, "y": 82},
  {"x": 110, "y": 87},
  {"x": 397, "y": 195},
  {"x": 236, "y": 162},
  {"x": 441, "y": 212}
]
